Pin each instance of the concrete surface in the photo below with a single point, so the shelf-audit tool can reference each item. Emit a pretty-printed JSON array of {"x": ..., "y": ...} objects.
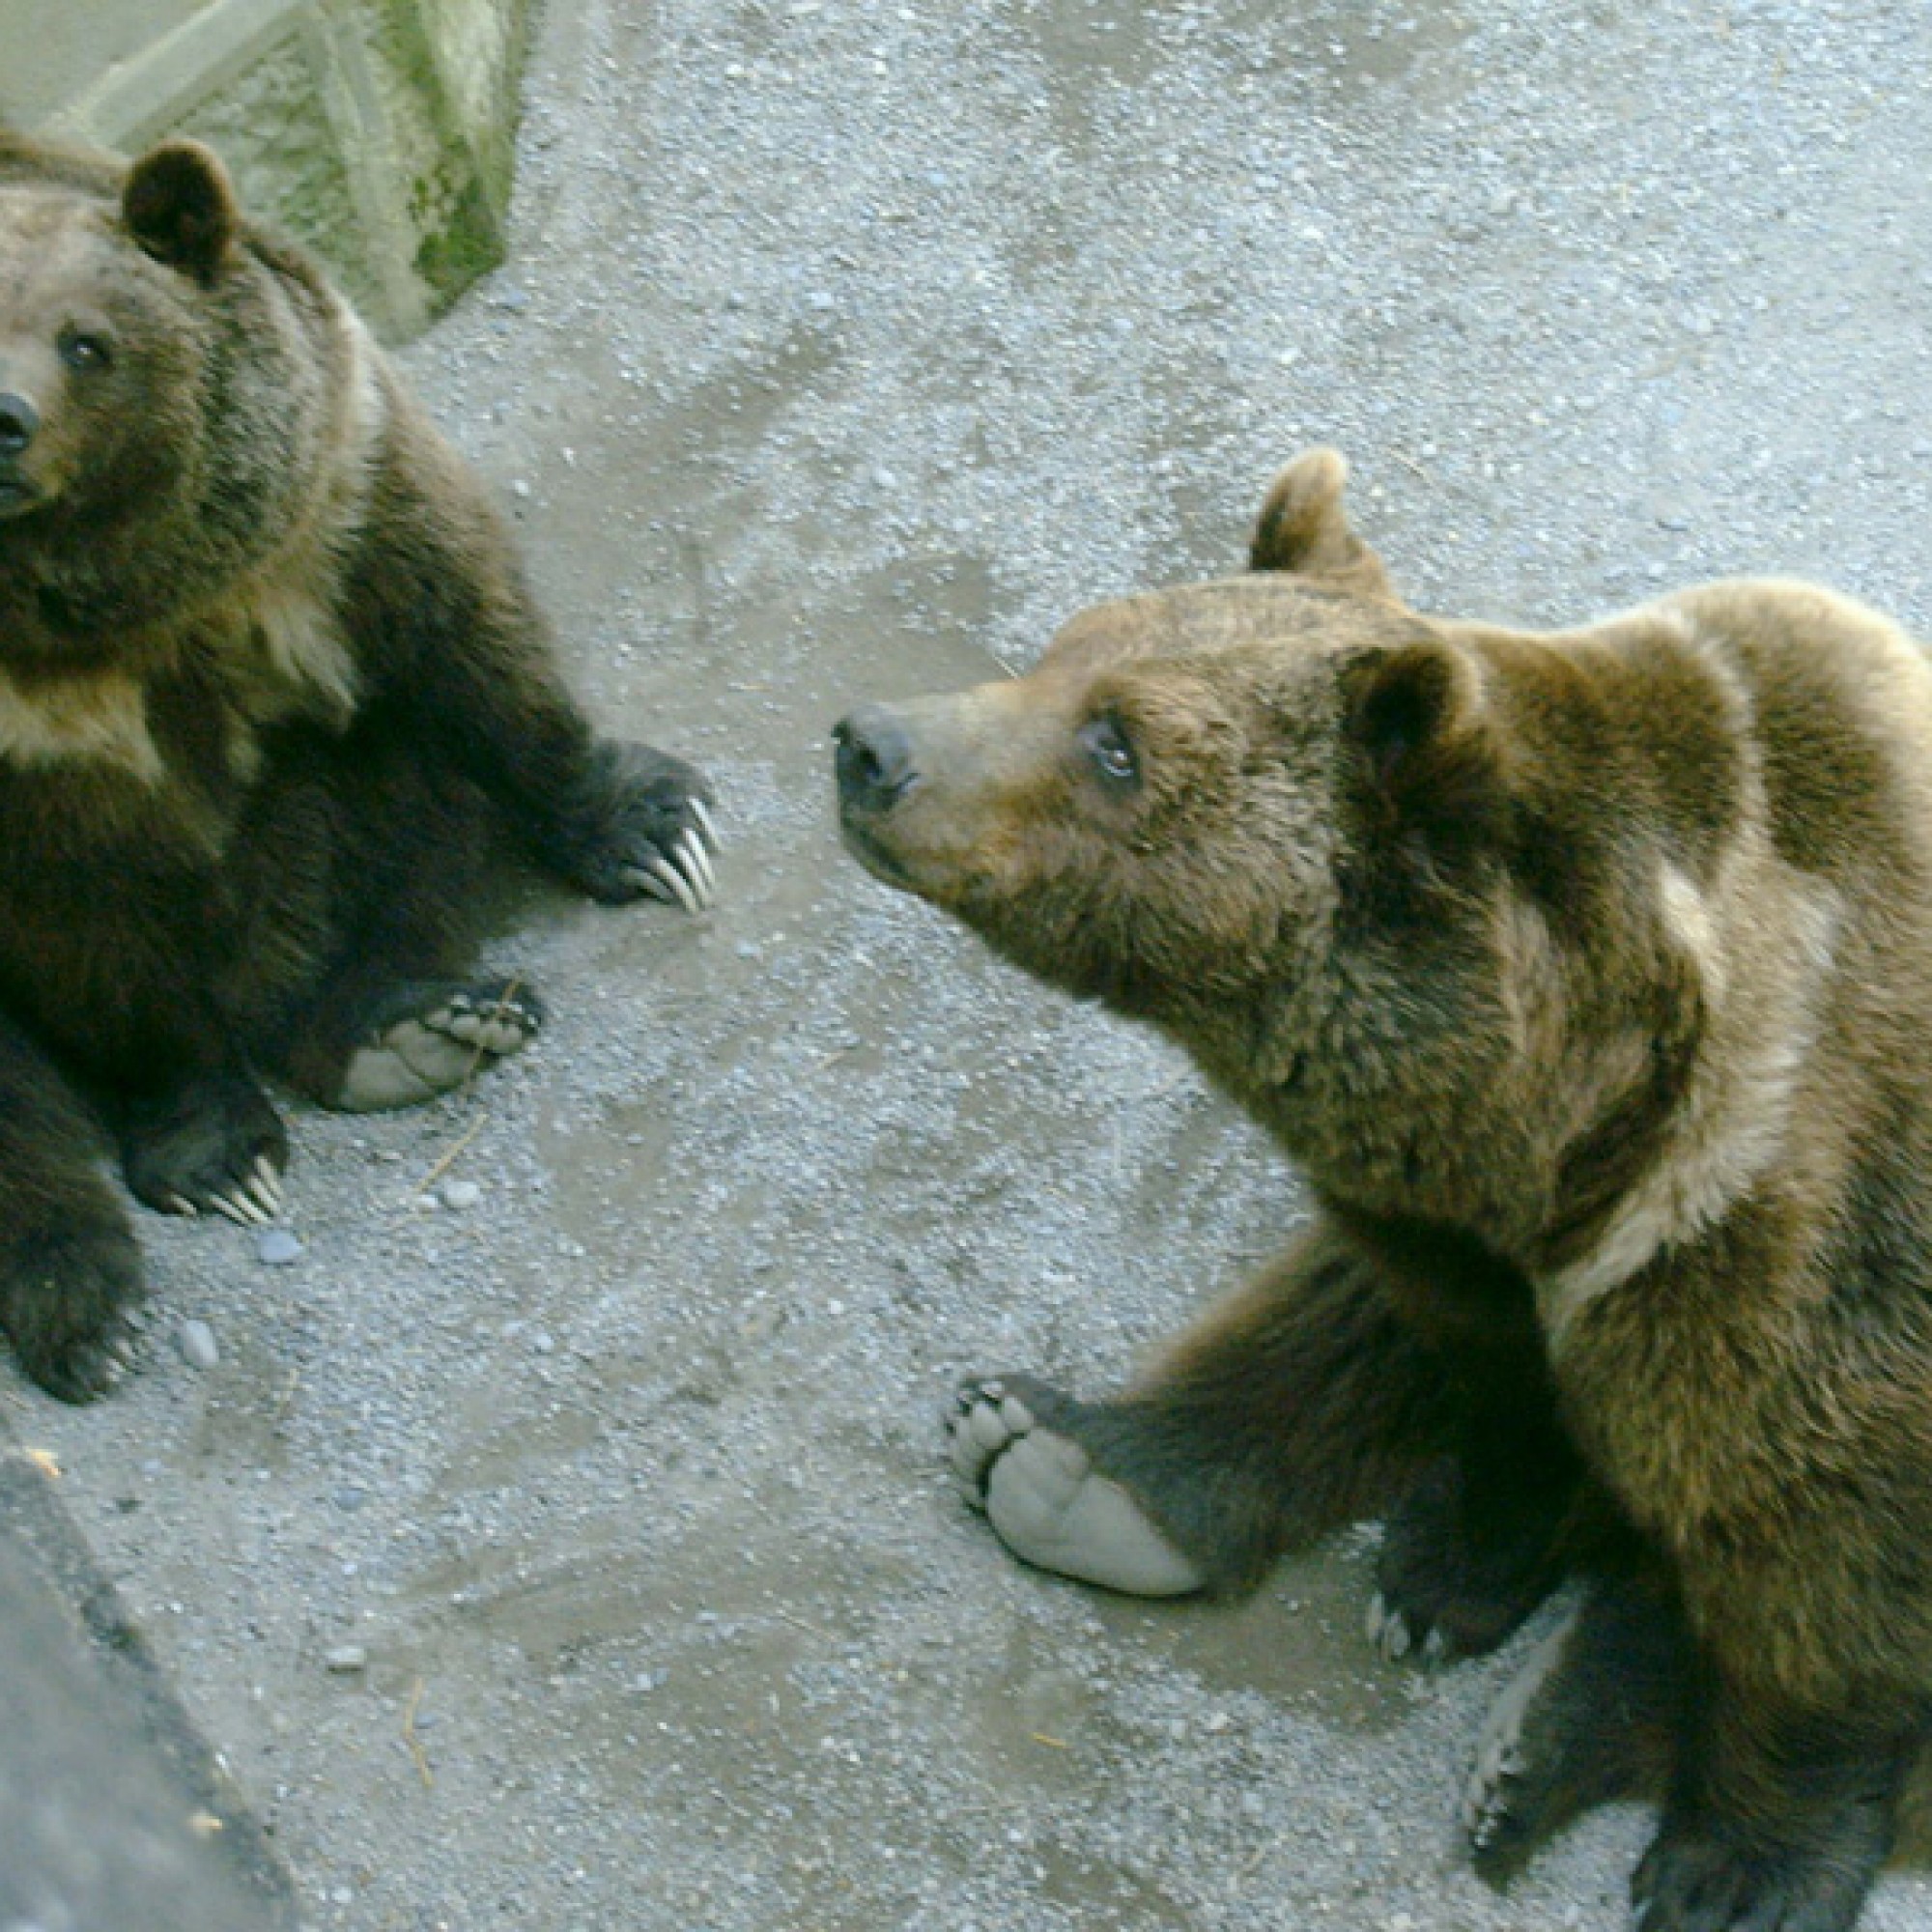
[
  {"x": 843, "y": 351},
  {"x": 380, "y": 132},
  {"x": 115, "y": 1815}
]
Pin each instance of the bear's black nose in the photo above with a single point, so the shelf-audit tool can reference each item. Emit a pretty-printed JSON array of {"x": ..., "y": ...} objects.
[
  {"x": 18, "y": 420},
  {"x": 873, "y": 759}
]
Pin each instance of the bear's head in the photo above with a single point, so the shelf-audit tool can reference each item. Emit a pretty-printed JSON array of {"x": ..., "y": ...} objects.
[
  {"x": 1164, "y": 809},
  {"x": 156, "y": 398},
  {"x": 99, "y": 327},
  {"x": 1303, "y": 829}
]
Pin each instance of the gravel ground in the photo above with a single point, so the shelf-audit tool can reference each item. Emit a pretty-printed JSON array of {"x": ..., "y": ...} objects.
[{"x": 557, "y": 1541}]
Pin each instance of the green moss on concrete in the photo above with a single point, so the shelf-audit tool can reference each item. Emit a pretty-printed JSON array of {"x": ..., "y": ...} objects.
[{"x": 380, "y": 132}]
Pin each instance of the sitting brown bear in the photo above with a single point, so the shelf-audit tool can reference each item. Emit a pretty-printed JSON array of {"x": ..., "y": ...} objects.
[
  {"x": 268, "y": 677},
  {"x": 1588, "y": 976}
]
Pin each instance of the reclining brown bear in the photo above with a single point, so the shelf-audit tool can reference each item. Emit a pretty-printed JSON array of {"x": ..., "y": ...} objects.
[
  {"x": 1588, "y": 977},
  {"x": 268, "y": 677}
]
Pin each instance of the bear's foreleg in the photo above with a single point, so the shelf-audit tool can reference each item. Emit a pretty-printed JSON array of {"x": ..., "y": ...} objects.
[
  {"x": 69, "y": 1272},
  {"x": 444, "y": 622},
  {"x": 1301, "y": 1403}
]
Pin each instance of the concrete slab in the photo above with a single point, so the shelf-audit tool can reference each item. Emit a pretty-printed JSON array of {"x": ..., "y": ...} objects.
[{"x": 115, "y": 1814}]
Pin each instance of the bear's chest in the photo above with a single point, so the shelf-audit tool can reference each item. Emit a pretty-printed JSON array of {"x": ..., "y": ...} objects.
[{"x": 176, "y": 723}]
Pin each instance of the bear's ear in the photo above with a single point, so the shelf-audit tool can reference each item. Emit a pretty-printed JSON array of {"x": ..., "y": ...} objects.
[
  {"x": 179, "y": 207},
  {"x": 1417, "y": 719},
  {"x": 1304, "y": 528}
]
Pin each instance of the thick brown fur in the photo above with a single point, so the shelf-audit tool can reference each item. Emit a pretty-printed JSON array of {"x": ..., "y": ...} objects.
[
  {"x": 1588, "y": 978},
  {"x": 270, "y": 678}
]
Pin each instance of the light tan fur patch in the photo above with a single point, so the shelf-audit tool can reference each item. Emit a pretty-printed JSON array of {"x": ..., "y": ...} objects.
[
  {"x": 1733, "y": 1122},
  {"x": 93, "y": 718}
]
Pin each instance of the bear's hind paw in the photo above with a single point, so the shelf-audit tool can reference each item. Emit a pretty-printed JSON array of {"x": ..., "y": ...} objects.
[
  {"x": 1049, "y": 1505},
  {"x": 453, "y": 1037}
]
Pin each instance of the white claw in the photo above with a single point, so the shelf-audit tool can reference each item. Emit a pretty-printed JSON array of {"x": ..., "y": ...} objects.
[
  {"x": 675, "y": 880},
  {"x": 181, "y": 1204},
  {"x": 231, "y": 1206},
  {"x": 647, "y": 882},
  {"x": 683, "y": 861},
  {"x": 248, "y": 1207},
  {"x": 698, "y": 860},
  {"x": 269, "y": 1176},
  {"x": 259, "y": 1194},
  {"x": 701, "y": 812}
]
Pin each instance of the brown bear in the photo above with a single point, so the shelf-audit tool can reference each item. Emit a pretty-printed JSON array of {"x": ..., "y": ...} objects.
[
  {"x": 271, "y": 679},
  {"x": 1588, "y": 978}
]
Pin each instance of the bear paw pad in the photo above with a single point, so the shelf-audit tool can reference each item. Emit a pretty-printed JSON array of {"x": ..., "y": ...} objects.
[
  {"x": 1050, "y": 1506},
  {"x": 463, "y": 1031}
]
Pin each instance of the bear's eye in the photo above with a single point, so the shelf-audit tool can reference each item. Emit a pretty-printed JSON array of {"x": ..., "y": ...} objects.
[
  {"x": 86, "y": 353},
  {"x": 1113, "y": 755}
]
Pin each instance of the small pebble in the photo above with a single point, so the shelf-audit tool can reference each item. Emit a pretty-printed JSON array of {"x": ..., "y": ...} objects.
[
  {"x": 197, "y": 1344},
  {"x": 346, "y": 1657},
  {"x": 277, "y": 1247},
  {"x": 461, "y": 1194}
]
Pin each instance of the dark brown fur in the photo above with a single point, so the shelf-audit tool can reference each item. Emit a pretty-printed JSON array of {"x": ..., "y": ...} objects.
[
  {"x": 270, "y": 678},
  {"x": 1588, "y": 976}
]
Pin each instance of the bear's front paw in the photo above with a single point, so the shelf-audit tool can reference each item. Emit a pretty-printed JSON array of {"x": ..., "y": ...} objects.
[
  {"x": 1532, "y": 1761},
  {"x": 1702, "y": 1877},
  {"x": 1050, "y": 1506},
  {"x": 643, "y": 827},
  {"x": 71, "y": 1301},
  {"x": 215, "y": 1143},
  {"x": 1451, "y": 1584}
]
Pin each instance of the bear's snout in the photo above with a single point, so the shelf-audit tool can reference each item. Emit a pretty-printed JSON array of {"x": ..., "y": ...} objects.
[
  {"x": 873, "y": 760},
  {"x": 20, "y": 423}
]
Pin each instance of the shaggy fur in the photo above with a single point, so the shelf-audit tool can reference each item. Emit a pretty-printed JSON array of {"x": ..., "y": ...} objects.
[
  {"x": 1588, "y": 977},
  {"x": 270, "y": 678}
]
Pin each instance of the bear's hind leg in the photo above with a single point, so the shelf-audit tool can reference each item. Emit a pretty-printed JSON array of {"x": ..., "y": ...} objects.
[
  {"x": 1300, "y": 1404},
  {"x": 70, "y": 1285},
  {"x": 393, "y": 855}
]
